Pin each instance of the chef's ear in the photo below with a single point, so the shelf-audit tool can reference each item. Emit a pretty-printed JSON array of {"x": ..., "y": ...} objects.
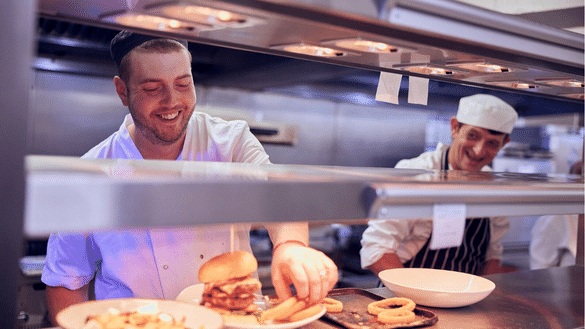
[
  {"x": 454, "y": 126},
  {"x": 121, "y": 90}
]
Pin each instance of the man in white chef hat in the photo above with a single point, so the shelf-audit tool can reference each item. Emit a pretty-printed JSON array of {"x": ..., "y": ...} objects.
[{"x": 480, "y": 129}]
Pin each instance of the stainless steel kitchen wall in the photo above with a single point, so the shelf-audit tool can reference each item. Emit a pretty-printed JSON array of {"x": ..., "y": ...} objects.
[
  {"x": 71, "y": 113},
  {"x": 331, "y": 133}
]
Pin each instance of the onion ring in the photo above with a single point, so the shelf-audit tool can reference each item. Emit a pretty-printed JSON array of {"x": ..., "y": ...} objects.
[
  {"x": 332, "y": 305},
  {"x": 306, "y": 313},
  {"x": 396, "y": 316},
  {"x": 282, "y": 310},
  {"x": 378, "y": 307}
]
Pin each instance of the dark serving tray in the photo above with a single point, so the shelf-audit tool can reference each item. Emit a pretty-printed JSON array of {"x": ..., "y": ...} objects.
[{"x": 355, "y": 311}]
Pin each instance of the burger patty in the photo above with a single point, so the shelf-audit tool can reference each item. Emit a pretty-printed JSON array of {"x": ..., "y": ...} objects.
[
  {"x": 231, "y": 294},
  {"x": 233, "y": 304}
]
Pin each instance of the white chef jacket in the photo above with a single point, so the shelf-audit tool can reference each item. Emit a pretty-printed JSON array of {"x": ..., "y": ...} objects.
[
  {"x": 406, "y": 238},
  {"x": 554, "y": 241},
  {"x": 153, "y": 263}
]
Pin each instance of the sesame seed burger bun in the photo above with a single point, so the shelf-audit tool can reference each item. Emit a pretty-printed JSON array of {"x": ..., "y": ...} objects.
[{"x": 227, "y": 266}]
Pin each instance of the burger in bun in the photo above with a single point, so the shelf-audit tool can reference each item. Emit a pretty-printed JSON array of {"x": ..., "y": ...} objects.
[{"x": 229, "y": 285}]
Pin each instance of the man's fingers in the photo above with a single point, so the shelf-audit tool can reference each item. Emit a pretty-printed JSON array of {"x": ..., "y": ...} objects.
[
  {"x": 317, "y": 276},
  {"x": 291, "y": 274},
  {"x": 312, "y": 273},
  {"x": 281, "y": 286}
]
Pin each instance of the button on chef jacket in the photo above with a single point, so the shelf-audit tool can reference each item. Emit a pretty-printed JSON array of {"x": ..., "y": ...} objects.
[{"x": 153, "y": 263}]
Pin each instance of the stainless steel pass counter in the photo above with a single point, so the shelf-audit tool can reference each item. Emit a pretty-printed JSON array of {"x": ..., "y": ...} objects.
[
  {"x": 72, "y": 194},
  {"x": 535, "y": 299},
  {"x": 538, "y": 299}
]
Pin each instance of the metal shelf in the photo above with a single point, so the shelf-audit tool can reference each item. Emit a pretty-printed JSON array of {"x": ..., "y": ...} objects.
[
  {"x": 440, "y": 33},
  {"x": 72, "y": 194}
]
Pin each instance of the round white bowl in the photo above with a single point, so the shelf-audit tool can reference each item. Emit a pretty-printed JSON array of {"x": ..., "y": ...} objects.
[{"x": 437, "y": 288}]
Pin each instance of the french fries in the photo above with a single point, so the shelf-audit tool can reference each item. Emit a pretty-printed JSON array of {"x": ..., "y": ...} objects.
[
  {"x": 290, "y": 310},
  {"x": 113, "y": 319}
]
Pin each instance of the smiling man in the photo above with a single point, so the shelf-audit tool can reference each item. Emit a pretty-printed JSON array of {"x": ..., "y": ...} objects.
[
  {"x": 156, "y": 84},
  {"x": 157, "y": 87},
  {"x": 481, "y": 128}
]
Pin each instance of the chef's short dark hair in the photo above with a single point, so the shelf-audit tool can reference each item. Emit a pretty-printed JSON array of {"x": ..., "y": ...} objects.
[
  {"x": 126, "y": 42},
  {"x": 493, "y": 132},
  {"x": 151, "y": 46}
]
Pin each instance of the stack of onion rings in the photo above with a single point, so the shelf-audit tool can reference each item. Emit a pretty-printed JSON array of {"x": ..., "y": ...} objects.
[
  {"x": 396, "y": 316},
  {"x": 401, "y": 310},
  {"x": 378, "y": 307}
]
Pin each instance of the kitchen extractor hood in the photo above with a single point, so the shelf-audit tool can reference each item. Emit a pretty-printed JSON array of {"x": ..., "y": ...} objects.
[{"x": 437, "y": 39}]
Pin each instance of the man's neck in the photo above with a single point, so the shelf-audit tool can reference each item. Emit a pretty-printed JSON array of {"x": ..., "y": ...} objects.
[{"x": 155, "y": 151}]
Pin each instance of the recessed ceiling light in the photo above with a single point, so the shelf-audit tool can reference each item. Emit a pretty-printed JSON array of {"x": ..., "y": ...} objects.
[
  {"x": 516, "y": 84},
  {"x": 431, "y": 69},
  {"x": 483, "y": 66},
  {"x": 305, "y": 49},
  {"x": 367, "y": 46},
  {"x": 204, "y": 15},
  {"x": 562, "y": 82},
  {"x": 153, "y": 22},
  {"x": 580, "y": 96}
]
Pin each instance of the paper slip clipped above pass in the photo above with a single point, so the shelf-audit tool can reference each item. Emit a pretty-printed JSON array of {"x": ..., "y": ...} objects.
[{"x": 389, "y": 88}]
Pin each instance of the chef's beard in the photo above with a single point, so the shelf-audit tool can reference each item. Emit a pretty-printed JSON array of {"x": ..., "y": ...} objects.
[{"x": 152, "y": 132}]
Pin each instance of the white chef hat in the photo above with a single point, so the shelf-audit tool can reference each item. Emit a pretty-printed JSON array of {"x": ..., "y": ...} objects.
[{"x": 487, "y": 111}]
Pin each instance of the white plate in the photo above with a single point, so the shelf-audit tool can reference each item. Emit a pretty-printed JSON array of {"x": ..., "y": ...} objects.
[
  {"x": 288, "y": 325},
  {"x": 437, "y": 288},
  {"x": 73, "y": 317},
  {"x": 192, "y": 294}
]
